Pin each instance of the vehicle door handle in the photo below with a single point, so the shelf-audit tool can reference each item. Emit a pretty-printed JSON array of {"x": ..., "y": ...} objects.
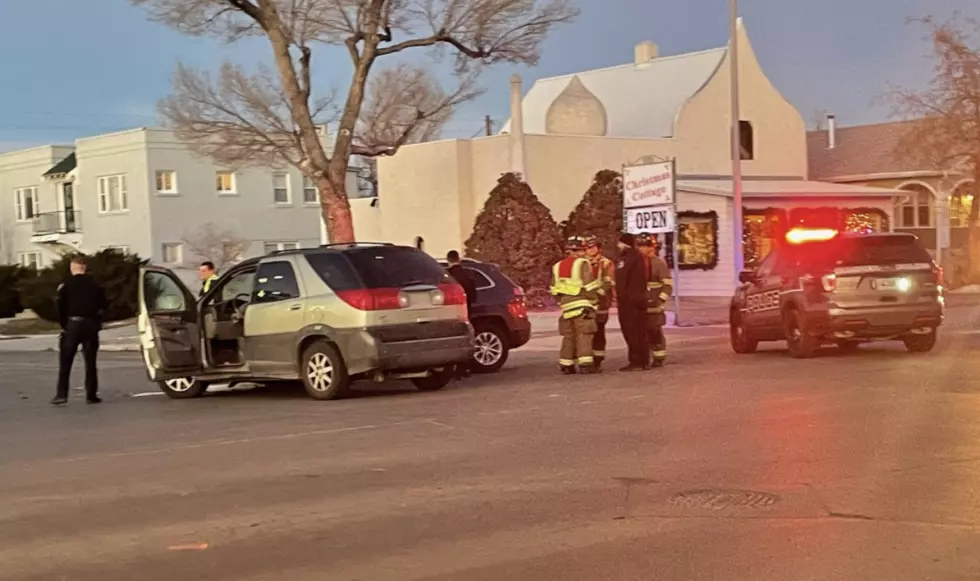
[{"x": 295, "y": 307}]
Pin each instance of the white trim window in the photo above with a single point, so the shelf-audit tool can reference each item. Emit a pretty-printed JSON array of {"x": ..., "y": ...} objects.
[
  {"x": 310, "y": 196},
  {"x": 112, "y": 194},
  {"x": 166, "y": 182},
  {"x": 173, "y": 253},
  {"x": 916, "y": 209},
  {"x": 270, "y": 247},
  {"x": 281, "y": 195},
  {"x": 30, "y": 259},
  {"x": 225, "y": 183},
  {"x": 27, "y": 208}
]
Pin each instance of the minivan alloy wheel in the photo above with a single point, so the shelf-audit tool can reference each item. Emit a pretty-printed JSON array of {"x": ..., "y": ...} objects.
[
  {"x": 489, "y": 348},
  {"x": 320, "y": 372},
  {"x": 181, "y": 384}
]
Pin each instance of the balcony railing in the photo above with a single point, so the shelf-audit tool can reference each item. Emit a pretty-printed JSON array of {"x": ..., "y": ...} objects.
[{"x": 67, "y": 222}]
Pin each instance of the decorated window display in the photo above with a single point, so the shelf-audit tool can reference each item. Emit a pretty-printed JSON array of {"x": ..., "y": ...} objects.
[
  {"x": 698, "y": 246},
  {"x": 762, "y": 230}
]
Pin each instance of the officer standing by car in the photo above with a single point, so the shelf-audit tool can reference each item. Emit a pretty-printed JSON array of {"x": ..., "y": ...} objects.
[
  {"x": 465, "y": 280},
  {"x": 660, "y": 286},
  {"x": 81, "y": 305},
  {"x": 603, "y": 270},
  {"x": 631, "y": 303},
  {"x": 576, "y": 292},
  {"x": 208, "y": 274}
]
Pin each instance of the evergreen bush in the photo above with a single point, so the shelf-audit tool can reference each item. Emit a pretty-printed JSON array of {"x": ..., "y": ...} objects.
[
  {"x": 11, "y": 277},
  {"x": 600, "y": 212}
]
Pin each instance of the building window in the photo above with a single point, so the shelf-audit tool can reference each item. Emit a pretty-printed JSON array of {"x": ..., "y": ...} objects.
[
  {"x": 166, "y": 182},
  {"x": 309, "y": 191},
  {"x": 26, "y": 204},
  {"x": 173, "y": 253},
  {"x": 30, "y": 259},
  {"x": 916, "y": 209},
  {"x": 112, "y": 194},
  {"x": 746, "y": 136},
  {"x": 960, "y": 204},
  {"x": 697, "y": 246},
  {"x": 270, "y": 247},
  {"x": 225, "y": 182},
  {"x": 280, "y": 189}
]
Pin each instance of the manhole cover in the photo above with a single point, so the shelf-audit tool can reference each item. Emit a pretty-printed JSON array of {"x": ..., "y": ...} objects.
[{"x": 721, "y": 499}]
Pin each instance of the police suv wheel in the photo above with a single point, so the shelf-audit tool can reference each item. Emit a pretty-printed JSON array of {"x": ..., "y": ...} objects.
[
  {"x": 741, "y": 341},
  {"x": 801, "y": 344},
  {"x": 183, "y": 387},
  {"x": 492, "y": 349}
]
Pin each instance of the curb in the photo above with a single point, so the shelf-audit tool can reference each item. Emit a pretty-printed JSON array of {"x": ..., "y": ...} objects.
[{"x": 125, "y": 348}]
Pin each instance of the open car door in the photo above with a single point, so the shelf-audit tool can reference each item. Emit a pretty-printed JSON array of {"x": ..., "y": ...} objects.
[{"x": 170, "y": 335}]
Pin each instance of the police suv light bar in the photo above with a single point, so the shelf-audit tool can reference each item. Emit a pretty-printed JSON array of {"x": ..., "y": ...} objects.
[{"x": 801, "y": 235}]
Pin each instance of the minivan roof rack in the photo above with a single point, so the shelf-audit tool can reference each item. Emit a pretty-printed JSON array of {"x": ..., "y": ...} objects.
[{"x": 348, "y": 244}]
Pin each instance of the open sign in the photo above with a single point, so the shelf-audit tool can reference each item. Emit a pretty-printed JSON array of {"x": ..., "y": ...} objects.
[{"x": 651, "y": 220}]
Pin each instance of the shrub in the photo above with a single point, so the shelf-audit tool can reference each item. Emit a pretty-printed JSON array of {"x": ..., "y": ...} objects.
[
  {"x": 600, "y": 213},
  {"x": 118, "y": 274},
  {"x": 516, "y": 232},
  {"x": 11, "y": 277}
]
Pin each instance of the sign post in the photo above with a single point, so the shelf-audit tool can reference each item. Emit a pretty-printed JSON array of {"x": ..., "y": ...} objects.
[{"x": 650, "y": 207}]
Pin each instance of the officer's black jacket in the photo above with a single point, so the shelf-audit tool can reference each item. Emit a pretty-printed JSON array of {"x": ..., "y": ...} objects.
[
  {"x": 631, "y": 280},
  {"x": 465, "y": 280},
  {"x": 80, "y": 296}
]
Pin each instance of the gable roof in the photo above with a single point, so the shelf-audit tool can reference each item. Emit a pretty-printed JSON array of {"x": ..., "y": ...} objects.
[
  {"x": 62, "y": 167},
  {"x": 861, "y": 150},
  {"x": 641, "y": 100}
]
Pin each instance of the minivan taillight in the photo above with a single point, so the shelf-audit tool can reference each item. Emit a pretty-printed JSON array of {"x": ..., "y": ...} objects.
[
  {"x": 454, "y": 294},
  {"x": 374, "y": 299},
  {"x": 937, "y": 275}
]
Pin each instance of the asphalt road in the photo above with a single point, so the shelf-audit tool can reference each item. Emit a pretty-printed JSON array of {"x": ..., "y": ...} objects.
[{"x": 844, "y": 467}]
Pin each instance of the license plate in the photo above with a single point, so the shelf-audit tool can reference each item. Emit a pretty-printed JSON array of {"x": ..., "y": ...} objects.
[{"x": 891, "y": 284}]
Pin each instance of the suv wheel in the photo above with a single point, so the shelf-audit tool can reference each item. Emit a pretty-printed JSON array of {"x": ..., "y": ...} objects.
[
  {"x": 183, "y": 387},
  {"x": 492, "y": 348},
  {"x": 801, "y": 344},
  {"x": 323, "y": 371},
  {"x": 438, "y": 380},
  {"x": 742, "y": 343},
  {"x": 921, "y": 343}
]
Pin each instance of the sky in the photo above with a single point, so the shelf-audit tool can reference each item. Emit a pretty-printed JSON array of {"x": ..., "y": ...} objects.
[{"x": 73, "y": 69}]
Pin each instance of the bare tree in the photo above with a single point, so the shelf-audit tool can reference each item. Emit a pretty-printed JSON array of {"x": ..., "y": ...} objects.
[
  {"x": 210, "y": 242},
  {"x": 947, "y": 136},
  {"x": 265, "y": 117}
]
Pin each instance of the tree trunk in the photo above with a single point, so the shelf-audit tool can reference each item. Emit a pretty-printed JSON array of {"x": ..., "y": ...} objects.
[
  {"x": 335, "y": 210},
  {"x": 973, "y": 239}
]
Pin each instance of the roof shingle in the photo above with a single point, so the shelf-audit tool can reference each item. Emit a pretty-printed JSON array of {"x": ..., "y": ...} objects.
[{"x": 860, "y": 150}]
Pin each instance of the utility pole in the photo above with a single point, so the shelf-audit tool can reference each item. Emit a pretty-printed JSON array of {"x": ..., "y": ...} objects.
[
  {"x": 488, "y": 123},
  {"x": 737, "y": 224}
]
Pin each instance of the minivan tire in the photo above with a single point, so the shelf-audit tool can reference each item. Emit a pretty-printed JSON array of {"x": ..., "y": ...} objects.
[
  {"x": 323, "y": 372},
  {"x": 183, "y": 387},
  {"x": 436, "y": 381},
  {"x": 801, "y": 344},
  {"x": 921, "y": 343},
  {"x": 492, "y": 338}
]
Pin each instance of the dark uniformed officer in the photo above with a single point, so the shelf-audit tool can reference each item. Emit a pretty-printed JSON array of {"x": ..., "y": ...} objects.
[
  {"x": 631, "y": 303},
  {"x": 81, "y": 304},
  {"x": 208, "y": 274}
]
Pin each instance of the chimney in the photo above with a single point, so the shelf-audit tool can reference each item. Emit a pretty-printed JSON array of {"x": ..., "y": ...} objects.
[
  {"x": 645, "y": 52},
  {"x": 831, "y": 131},
  {"x": 517, "y": 127}
]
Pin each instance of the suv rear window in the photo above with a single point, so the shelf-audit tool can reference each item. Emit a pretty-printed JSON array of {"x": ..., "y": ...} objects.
[
  {"x": 874, "y": 250},
  {"x": 395, "y": 267}
]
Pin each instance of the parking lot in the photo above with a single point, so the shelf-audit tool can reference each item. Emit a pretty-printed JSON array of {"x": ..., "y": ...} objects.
[{"x": 756, "y": 467}]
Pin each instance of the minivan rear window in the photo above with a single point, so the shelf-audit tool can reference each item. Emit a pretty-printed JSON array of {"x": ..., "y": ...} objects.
[
  {"x": 875, "y": 250},
  {"x": 395, "y": 267},
  {"x": 335, "y": 270}
]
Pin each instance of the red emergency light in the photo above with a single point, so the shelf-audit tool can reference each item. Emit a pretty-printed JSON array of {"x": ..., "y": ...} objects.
[{"x": 803, "y": 235}]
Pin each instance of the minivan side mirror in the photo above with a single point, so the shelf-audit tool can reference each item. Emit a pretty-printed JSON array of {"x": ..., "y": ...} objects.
[{"x": 746, "y": 276}]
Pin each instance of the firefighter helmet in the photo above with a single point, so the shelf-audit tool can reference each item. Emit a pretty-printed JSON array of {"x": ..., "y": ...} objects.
[
  {"x": 591, "y": 241},
  {"x": 574, "y": 243},
  {"x": 645, "y": 239}
]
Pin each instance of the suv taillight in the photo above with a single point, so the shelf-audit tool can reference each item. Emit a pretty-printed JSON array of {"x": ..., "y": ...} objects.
[
  {"x": 517, "y": 307},
  {"x": 937, "y": 275},
  {"x": 829, "y": 282},
  {"x": 376, "y": 299}
]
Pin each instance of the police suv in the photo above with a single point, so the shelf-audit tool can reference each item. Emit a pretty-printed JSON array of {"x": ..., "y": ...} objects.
[{"x": 825, "y": 287}]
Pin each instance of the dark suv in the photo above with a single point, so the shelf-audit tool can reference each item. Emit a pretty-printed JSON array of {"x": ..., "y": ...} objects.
[
  {"x": 843, "y": 289},
  {"x": 499, "y": 316}
]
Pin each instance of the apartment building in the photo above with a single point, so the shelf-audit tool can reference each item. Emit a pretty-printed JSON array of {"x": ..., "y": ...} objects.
[{"x": 143, "y": 191}]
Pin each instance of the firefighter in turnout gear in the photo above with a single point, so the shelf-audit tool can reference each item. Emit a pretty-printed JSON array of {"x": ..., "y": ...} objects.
[
  {"x": 576, "y": 291},
  {"x": 603, "y": 271},
  {"x": 660, "y": 286}
]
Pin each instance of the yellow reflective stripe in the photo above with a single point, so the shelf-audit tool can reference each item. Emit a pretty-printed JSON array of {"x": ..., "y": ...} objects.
[
  {"x": 659, "y": 354},
  {"x": 655, "y": 310},
  {"x": 589, "y": 360},
  {"x": 594, "y": 285},
  {"x": 664, "y": 296},
  {"x": 566, "y": 362},
  {"x": 599, "y": 353},
  {"x": 579, "y": 304},
  {"x": 654, "y": 285},
  {"x": 669, "y": 281}
]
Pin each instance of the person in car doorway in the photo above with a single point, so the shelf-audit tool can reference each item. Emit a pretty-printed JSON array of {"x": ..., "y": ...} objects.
[
  {"x": 660, "y": 286},
  {"x": 465, "y": 280},
  {"x": 208, "y": 274},
  {"x": 576, "y": 291},
  {"x": 603, "y": 270},
  {"x": 631, "y": 303}
]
